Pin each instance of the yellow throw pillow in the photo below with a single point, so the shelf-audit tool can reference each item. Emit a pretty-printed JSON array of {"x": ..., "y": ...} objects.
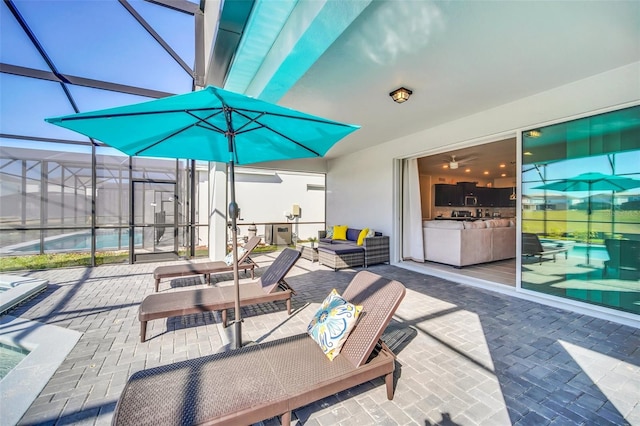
[
  {"x": 340, "y": 232},
  {"x": 362, "y": 236}
]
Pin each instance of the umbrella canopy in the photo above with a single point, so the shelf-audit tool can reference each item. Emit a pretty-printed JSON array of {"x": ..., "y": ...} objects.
[
  {"x": 196, "y": 126},
  {"x": 592, "y": 182},
  {"x": 211, "y": 125}
]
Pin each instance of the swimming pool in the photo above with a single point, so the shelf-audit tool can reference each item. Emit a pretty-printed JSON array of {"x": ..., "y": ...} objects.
[
  {"x": 47, "y": 347},
  {"x": 106, "y": 239},
  {"x": 10, "y": 356},
  {"x": 596, "y": 252}
]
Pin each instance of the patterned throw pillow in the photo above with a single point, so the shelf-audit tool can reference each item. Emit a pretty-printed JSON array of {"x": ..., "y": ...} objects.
[
  {"x": 228, "y": 259},
  {"x": 329, "y": 232},
  {"x": 332, "y": 323},
  {"x": 371, "y": 233}
]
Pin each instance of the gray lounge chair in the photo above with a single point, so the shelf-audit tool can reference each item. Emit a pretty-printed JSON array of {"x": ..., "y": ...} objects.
[
  {"x": 270, "y": 287},
  {"x": 207, "y": 268},
  {"x": 532, "y": 247},
  {"x": 268, "y": 379}
]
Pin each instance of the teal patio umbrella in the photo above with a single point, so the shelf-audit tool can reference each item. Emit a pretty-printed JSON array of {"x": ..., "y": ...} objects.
[
  {"x": 211, "y": 125},
  {"x": 592, "y": 182}
]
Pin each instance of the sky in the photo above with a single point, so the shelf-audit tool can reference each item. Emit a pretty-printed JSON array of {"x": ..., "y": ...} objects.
[{"x": 94, "y": 39}]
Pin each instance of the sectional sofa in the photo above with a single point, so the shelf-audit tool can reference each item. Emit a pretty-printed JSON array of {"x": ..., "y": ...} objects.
[
  {"x": 338, "y": 254},
  {"x": 461, "y": 243}
]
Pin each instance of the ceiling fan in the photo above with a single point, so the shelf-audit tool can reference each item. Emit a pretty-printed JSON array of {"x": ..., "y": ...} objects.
[{"x": 455, "y": 163}]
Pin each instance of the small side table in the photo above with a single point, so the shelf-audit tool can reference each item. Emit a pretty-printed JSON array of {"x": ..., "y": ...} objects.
[{"x": 308, "y": 252}]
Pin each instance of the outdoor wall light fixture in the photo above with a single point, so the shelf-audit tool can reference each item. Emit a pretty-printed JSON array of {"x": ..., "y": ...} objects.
[
  {"x": 401, "y": 95},
  {"x": 536, "y": 133}
]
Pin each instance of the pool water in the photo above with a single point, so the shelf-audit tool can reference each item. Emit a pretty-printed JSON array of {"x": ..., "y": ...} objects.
[
  {"x": 10, "y": 356},
  {"x": 105, "y": 239},
  {"x": 596, "y": 252}
]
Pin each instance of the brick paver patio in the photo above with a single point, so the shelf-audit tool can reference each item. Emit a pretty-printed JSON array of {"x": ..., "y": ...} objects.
[{"x": 465, "y": 356}]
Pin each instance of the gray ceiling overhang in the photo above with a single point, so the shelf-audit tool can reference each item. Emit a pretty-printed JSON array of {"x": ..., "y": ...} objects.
[{"x": 262, "y": 48}]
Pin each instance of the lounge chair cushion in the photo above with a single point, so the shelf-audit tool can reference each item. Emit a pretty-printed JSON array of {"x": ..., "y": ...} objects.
[
  {"x": 332, "y": 323},
  {"x": 228, "y": 259}
]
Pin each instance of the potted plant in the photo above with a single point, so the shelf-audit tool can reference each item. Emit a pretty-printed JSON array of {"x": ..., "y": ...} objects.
[{"x": 313, "y": 240}]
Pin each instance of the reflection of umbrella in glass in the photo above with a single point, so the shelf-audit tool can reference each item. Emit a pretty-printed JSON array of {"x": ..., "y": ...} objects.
[
  {"x": 592, "y": 182},
  {"x": 211, "y": 125}
]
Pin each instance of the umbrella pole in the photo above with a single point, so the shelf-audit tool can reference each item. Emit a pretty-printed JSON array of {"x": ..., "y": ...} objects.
[{"x": 233, "y": 212}]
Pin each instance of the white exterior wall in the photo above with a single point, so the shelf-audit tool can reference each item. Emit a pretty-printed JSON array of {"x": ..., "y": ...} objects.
[
  {"x": 217, "y": 211},
  {"x": 359, "y": 189},
  {"x": 361, "y": 186},
  {"x": 264, "y": 195}
]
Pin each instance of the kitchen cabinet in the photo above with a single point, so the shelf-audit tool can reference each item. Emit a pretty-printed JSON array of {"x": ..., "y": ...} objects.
[
  {"x": 504, "y": 195},
  {"x": 487, "y": 197},
  {"x": 449, "y": 195},
  {"x": 468, "y": 188}
]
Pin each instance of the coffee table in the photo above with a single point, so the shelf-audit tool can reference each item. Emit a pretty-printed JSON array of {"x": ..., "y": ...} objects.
[{"x": 307, "y": 251}]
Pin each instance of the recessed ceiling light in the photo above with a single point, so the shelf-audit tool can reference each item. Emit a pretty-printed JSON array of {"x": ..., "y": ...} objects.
[
  {"x": 486, "y": 173},
  {"x": 445, "y": 166},
  {"x": 467, "y": 170},
  {"x": 502, "y": 166},
  {"x": 503, "y": 175}
]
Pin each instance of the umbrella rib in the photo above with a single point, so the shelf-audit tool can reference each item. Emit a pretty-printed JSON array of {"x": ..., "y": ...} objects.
[
  {"x": 133, "y": 114},
  {"x": 317, "y": 154},
  {"x": 202, "y": 122},
  {"x": 177, "y": 132},
  {"x": 251, "y": 120},
  {"x": 275, "y": 114},
  {"x": 264, "y": 126}
]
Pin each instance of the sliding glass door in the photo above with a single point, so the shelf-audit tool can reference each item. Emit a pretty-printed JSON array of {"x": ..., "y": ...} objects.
[{"x": 581, "y": 210}]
